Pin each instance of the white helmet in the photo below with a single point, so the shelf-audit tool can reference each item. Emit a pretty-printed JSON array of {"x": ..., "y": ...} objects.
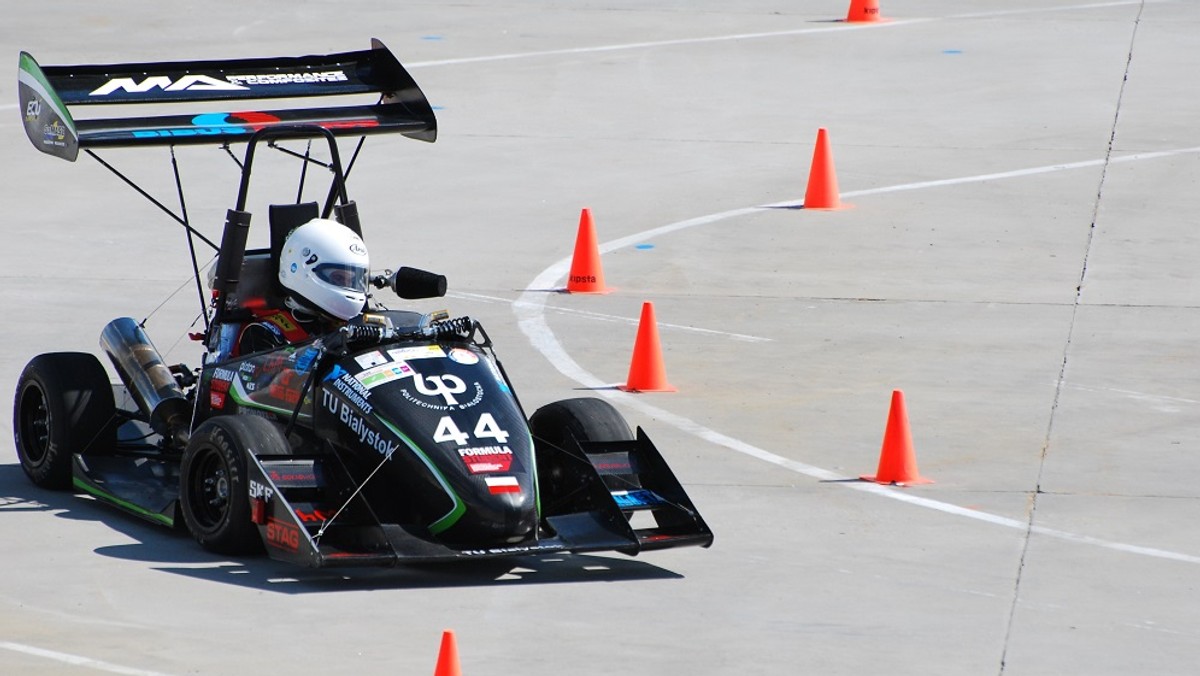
[{"x": 325, "y": 264}]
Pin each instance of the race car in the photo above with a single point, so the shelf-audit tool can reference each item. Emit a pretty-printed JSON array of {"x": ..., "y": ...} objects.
[{"x": 385, "y": 438}]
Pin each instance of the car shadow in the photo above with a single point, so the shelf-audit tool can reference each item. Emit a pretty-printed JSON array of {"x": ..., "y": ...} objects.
[{"x": 174, "y": 551}]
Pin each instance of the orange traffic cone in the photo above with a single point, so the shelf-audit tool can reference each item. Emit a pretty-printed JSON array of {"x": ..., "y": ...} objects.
[
  {"x": 646, "y": 370},
  {"x": 897, "y": 460},
  {"x": 447, "y": 663},
  {"x": 864, "y": 10},
  {"x": 586, "y": 274},
  {"x": 822, "y": 192}
]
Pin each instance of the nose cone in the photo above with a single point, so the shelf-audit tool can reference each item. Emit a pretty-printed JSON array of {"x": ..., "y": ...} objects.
[{"x": 503, "y": 512}]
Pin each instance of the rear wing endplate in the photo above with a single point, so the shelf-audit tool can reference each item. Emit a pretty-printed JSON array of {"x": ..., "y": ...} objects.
[{"x": 49, "y": 93}]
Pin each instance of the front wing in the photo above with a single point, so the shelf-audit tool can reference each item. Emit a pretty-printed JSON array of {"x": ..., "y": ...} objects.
[{"x": 300, "y": 526}]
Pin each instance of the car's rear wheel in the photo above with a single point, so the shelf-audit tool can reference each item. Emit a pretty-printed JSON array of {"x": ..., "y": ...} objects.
[
  {"x": 214, "y": 489},
  {"x": 63, "y": 405}
]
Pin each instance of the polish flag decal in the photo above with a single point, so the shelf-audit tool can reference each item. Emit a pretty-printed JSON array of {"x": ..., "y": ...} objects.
[{"x": 502, "y": 484}]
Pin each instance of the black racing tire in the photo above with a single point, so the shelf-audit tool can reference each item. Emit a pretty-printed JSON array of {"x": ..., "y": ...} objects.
[
  {"x": 63, "y": 405},
  {"x": 214, "y": 491},
  {"x": 585, "y": 418}
]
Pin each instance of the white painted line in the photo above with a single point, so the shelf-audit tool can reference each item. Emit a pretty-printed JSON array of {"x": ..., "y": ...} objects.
[
  {"x": 614, "y": 318},
  {"x": 1019, "y": 173},
  {"x": 76, "y": 660},
  {"x": 830, "y": 26},
  {"x": 1157, "y": 399},
  {"x": 1010, "y": 12},
  {"x": 530, "y": 311},
  {"x": 839, "y": 26}
]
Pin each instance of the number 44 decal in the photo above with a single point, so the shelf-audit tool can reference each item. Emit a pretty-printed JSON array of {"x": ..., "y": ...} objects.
[{"x": 485, "y": 428}]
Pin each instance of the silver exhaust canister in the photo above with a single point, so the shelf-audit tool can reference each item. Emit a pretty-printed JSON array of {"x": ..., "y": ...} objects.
[{"x": 147, "y": 378}]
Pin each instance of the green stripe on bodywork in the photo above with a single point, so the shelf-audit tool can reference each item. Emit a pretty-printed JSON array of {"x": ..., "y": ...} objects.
[
  {"x": 123, "y": 504},
  {"x": 457, "y": 511},
  {"x": 537, "y": 489}
]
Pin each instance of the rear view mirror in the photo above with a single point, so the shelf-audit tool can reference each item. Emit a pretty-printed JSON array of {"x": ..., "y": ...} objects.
[{"x": 412, "y": 284}]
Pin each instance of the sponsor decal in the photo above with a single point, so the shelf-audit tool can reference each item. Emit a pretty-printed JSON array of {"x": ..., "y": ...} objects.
[
  {"x": 275, "y": 362},
  {"x": 366, "y": 436},
  {"x": 384, "y": 373},
  {"x": 349, "y": 124},
  {"x": 173, "y": 133},
  {"x": 293, "y": 477},
  {"x": 635, "y": 499},
  {"x": 358, "y": 249},
  {"x": 315, "y": 516},
  {"x": 372, "y": 358},
  {"x": 284, "y": 388},
  {"x": 258, "y": 490},
  {"x": 217, "y": 399},
  {"x": 480, "y": 459},
  {"x": 54, "y": 133},
  {"x": 419, "y": 352},
  {"x": 356, "y": 424},
  {"x": 237, "y": 123},
  {"x": 203, "y": 83},
  {"x": 281, "y": 322},
  {"x": 498, "y": 485},
  {"x": 464, "y": 356},
  {"x": 221, "y": 378},
  {"x": 214, "y": 124},
  {"x": 287, "y": 78},
  {"x": 505, "y": 551},
  {"x": 283, "y": 535},
  {"x": 33, "y": 110},
  {"x": 351, "y": 388},
  {"x": 445, "y": 386},
  {"x": 306, "y": 358}
]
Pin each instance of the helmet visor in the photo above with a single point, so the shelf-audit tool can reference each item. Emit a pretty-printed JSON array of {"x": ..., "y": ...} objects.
[{"x": 351, "y": 277}]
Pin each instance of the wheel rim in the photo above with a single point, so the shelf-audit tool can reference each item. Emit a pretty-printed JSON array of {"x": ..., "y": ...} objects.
[
  {"x": 209, "y": 489},
  {"x": 35, "y": 425}
]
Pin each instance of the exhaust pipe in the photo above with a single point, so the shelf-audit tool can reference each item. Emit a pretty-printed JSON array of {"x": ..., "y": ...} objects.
[{"x": 148, "y": 379}]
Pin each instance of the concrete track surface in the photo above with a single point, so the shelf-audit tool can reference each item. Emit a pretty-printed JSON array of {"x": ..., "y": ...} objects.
[{"x": 1018, "y": 257}]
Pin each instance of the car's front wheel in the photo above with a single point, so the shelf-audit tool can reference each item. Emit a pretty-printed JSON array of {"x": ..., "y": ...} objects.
[{"x": 583, "y": 419}]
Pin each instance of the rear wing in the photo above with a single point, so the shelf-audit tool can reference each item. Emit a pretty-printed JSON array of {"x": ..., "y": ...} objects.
[{"x": 48, "y": 95}]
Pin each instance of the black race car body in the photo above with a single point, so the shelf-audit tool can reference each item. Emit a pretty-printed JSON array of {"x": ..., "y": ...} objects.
[{"x": 396, "y": 437}]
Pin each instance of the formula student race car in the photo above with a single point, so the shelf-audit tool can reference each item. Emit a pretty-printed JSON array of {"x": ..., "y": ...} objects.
[{"x": 393, "y": 437}]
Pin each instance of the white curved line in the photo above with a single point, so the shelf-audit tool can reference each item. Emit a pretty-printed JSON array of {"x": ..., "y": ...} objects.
[{"x": 530, "y": 311}]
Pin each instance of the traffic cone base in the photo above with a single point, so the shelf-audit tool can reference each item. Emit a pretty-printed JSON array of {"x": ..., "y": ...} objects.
[
  {"x": 587, "y": 275},
  {"x": 822, "y": 190},
  {"x": 646, "y": 370},
  {"x": 864, "y": 11},
  {"x": 447, "y": 662},
  {"x": 897, "y": 460}
]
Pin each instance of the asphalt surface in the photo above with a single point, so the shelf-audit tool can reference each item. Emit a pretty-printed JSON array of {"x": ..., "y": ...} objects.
[{"x": 1018, "y": 257}]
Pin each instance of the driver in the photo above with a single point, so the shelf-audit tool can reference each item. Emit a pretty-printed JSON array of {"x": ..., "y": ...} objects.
[{"x": 324, "y": 268}]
